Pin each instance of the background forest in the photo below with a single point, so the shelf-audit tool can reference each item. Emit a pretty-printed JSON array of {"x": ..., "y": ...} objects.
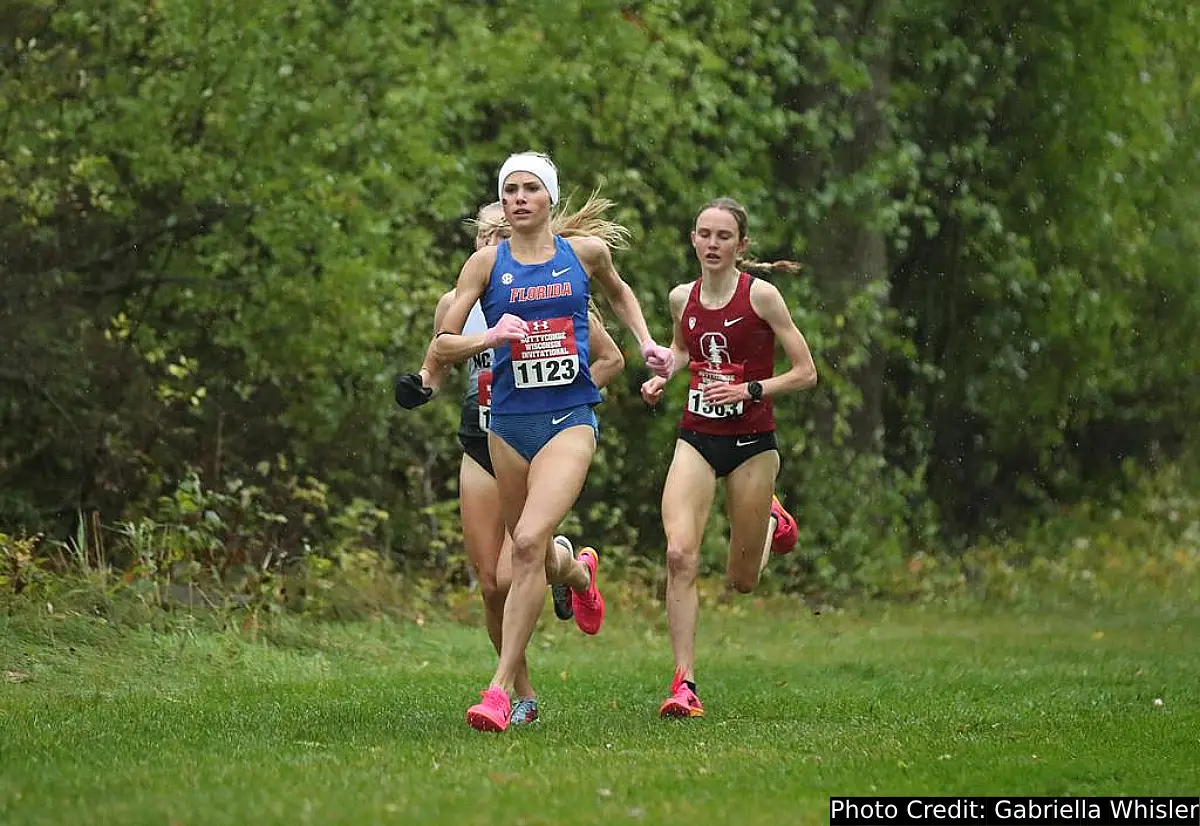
[{"x": 224, "y": 225}]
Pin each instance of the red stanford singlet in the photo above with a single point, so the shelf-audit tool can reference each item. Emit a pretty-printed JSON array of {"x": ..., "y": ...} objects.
[{"x": 729, "y": 344}]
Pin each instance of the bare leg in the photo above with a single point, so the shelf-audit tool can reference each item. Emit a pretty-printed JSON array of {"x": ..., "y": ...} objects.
[
  {"x": 687, "y": 499},
  {"x": 748, "y": 501},
  {"x": 534, "y": 499},
  {"x": 490, "y": 550}
]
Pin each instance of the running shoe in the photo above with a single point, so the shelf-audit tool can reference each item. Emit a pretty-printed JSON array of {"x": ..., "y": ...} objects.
[
  {"x": 588, "y": 606},
  {"x": 524, "y": 712},
  {"x": 786, "y": 529},
  {"x": 561, "y": 592},
  {"x": 683, "y": 702},
  {"x": 493, "y": 713}
]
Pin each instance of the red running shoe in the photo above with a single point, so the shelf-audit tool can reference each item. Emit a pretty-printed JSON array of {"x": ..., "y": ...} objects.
[
  {"x": 492, "y": 714},
  {"x": 786, "y": 529},
  {"x": 588, "y": 606},
  {"x": 683, "y": 702}
]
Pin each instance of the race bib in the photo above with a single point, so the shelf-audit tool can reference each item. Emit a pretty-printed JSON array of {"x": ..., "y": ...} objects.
[
  {"x": 704, "y": 374},
  {"x": 548, "y": 357},
  {"x": 485, "y": 400}
]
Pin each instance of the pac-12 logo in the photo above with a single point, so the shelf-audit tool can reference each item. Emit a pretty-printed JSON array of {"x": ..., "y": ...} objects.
[{"x": 715, "y": 348}]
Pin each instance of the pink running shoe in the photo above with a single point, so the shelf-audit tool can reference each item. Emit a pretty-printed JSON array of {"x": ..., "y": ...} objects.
[
  {"x": 683, "y": 702},
  {"x": 492, "y": 714},
  {"x": 786, "y": 529},
  {"x": 588, "y": 606}
]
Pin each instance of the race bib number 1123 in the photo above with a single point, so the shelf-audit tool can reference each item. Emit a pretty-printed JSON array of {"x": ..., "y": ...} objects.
[{"x": 549, "y": 355}]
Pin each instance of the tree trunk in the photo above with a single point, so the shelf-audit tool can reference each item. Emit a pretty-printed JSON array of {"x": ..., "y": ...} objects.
[{"x": 849, "y": 254}]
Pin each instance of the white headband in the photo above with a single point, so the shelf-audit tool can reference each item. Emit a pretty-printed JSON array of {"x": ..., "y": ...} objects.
[{"x": 538, "y": 165}]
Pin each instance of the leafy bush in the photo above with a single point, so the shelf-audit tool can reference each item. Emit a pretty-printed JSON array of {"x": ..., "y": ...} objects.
[{"x": 225, "y": 226}]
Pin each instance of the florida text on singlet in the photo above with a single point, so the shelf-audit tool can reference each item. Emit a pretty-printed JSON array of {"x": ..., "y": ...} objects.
[
  {"x": 727, "y": 344},
  {"x": 476, "y": 404},
  {"x": 548, "y": 371}
]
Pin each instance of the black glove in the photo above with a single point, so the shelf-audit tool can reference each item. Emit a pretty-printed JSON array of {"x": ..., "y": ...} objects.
[{"x": 410, "y": 392}]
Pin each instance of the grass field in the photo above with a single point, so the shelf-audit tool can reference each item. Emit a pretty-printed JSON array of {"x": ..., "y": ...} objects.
[{"x": 365, "y": 723}]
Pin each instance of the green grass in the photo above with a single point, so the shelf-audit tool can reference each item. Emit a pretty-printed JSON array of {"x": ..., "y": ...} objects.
[{"x": 364, "y": 724}]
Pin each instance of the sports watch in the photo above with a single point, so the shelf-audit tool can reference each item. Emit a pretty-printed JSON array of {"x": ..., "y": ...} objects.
[{"x": 755, "y": 390}]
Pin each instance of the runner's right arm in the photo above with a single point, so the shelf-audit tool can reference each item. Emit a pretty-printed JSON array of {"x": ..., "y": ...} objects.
[
  {"x": 450, "y": 346},
  {"x": 652, "y": 389}
]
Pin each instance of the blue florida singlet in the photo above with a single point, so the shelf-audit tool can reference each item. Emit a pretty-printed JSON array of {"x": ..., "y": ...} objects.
[{"x": 548, "y": 371}]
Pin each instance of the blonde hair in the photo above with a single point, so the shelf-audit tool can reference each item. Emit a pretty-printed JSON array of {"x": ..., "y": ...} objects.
[
  {"x": 489, "y": 225},
  {"x": 588, "y": 220}
]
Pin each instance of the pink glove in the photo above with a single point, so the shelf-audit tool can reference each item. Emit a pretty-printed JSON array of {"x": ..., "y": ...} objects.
[
  {"x": 508, "y": 328},
  {"x": 659, "y": 359}
]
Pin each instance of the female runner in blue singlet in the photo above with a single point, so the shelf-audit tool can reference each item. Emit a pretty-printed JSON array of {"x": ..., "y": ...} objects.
[
  {"x": 534, "y": 290},
  {"x": 487, "y": 543}
]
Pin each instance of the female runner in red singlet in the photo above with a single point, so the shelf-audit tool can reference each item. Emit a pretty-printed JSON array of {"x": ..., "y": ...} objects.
[{"x": 726, "y": 326}]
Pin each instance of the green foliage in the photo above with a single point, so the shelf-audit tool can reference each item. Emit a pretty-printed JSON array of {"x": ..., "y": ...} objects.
[
  {"x": 1140, "y": 545},
  {"x": 1044, "y": 269},
  {"x": 225, "y": 226},
  {"x": 21, "y": 570}
]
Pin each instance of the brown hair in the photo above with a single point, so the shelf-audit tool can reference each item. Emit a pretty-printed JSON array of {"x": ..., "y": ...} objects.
[
  {"x": 750, "y": 265},
  {"x": 733, "y": 208}
]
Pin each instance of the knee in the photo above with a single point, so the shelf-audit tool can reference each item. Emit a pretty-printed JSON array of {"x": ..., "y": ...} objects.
[
  {"x": 492, "y": 589},
  {"x": 528, "y": 549},
  {"x": 683, "y": 559}
]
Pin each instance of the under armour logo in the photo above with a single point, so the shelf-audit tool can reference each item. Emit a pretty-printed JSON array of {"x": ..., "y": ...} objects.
[{"x": 539, "y": 326}]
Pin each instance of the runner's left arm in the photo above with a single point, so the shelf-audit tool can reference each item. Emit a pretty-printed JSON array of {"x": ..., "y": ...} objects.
[
  {"x": 771, "y": 308},
  {"x": 597, "y": 258}
]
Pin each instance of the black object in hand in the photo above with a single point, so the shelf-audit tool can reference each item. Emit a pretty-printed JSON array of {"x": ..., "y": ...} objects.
[{"x": 410, "y": 392}]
